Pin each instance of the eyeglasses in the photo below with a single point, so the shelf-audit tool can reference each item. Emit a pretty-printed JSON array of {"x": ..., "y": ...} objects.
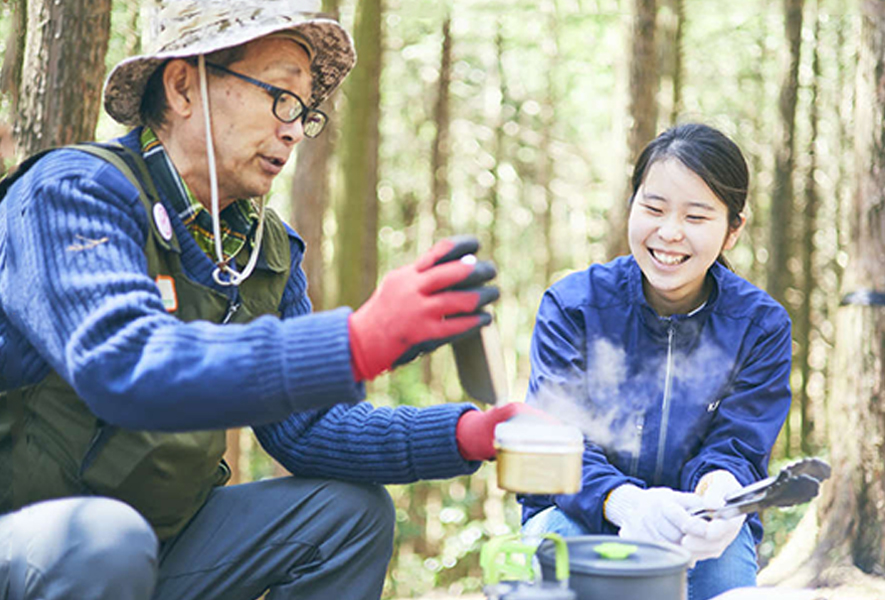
[{"x": 287, "y": 106}]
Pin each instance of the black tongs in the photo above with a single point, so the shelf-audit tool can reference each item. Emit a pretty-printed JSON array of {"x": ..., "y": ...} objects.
[{"x": 795, "y": 484}]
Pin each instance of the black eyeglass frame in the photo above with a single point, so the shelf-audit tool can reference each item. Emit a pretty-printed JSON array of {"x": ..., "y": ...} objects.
[{"x": 277, "y": 93}]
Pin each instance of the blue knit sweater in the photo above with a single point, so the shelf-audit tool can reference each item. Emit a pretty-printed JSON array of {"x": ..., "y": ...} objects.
[{"x": 75, "y": 296}]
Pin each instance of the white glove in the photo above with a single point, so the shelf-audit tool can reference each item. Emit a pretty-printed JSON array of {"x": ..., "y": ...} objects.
[
  {"x": 652, "y": 515},
  {"x": 709, "y": 539}
]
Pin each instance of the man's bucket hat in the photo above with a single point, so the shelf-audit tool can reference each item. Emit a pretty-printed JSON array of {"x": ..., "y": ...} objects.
[{"x": 183, "y": 28}]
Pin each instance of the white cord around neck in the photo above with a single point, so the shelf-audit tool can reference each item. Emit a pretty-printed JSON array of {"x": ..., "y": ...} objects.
[{"x": 233, "y": 276}]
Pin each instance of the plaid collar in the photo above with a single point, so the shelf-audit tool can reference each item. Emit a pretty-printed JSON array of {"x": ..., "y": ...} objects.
[{"x": 237, "y": 219}]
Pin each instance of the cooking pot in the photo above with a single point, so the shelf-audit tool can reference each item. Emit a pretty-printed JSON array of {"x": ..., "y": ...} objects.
[
  {"x": 535, "y": 456},
  {"x": 606, "y": 567}
]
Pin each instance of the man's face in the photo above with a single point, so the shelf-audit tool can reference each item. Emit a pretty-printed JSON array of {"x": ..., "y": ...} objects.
[{"x": 251, "y": 144}]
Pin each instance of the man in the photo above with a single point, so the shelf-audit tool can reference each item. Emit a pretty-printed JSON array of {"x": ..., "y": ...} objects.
[{"x": 147, "y": 303}]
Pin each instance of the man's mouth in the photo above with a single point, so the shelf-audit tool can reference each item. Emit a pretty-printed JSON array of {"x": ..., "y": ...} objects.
[
  {"x": 668, "y": 258},
  {"x": 273, "y": 164}
]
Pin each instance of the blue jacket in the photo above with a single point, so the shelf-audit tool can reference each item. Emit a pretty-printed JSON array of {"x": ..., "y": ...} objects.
[
  {"x": 662, "y": 401},
  {"x": 75, "y": 297}
]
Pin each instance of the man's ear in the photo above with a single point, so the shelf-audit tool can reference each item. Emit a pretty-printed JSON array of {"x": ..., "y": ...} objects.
[
  {"x": 734, "y": 233},
  {"x": 179, "y": 81}
]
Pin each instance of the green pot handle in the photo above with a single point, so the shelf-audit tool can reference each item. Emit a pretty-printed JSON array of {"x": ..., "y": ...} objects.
[{"x": 510, "y": 569}]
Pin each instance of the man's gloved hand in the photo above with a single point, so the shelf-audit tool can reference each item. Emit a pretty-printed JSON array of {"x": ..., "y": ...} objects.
[
  {"x": 420, "y": 307},
  {"x": 475, "y": 431},
  {"x": 652, "y": 515},
  {"x": 709, "y": 539}
]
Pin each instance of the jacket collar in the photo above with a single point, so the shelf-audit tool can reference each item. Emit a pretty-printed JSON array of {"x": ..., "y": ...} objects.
[{"x": 658, "y": 324}]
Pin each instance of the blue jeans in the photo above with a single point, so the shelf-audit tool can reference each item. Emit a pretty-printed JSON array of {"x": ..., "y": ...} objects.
[{"x": 735, "y": 568}]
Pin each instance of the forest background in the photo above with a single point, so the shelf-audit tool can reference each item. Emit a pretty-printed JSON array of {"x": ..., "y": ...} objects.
[{"x": 518, "y": 122}]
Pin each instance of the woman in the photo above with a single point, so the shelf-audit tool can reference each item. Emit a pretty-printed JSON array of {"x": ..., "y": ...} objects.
[{"x": 677, "y": 368}]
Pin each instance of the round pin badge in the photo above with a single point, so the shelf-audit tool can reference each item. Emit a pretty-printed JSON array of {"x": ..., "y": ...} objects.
[{"x": 161, "y": 219}]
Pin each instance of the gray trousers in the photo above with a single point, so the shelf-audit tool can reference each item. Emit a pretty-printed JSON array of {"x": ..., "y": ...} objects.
[{"x": 298, "y": 539}]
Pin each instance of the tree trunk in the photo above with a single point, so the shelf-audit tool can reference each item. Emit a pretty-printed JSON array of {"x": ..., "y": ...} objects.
[
  {"x": 499, "y": 151},
  {"x": 781, "y": 219},
  {"x": 357, "y": 215},
  {"x": 851, "y": 537},
  {"x": 671, "y": 27},
  {"x": 64, "y": 62},
  {"x": 676, "y": 109},
  {"x": 11, "y": 71},
  {"x": 809, "y": 283},
  {"x": 643, "y": 108},
  {"x": 548, "y": 116},
  {"x": 781, "y": 213},
  {"x": 310, "y": 193},
  {"x": 439, "y": 158}
]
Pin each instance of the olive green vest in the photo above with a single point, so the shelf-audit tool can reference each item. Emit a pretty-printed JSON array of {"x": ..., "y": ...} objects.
[{"x": 58, "y": 448}]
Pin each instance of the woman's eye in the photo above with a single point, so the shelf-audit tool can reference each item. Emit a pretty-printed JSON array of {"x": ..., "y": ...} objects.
[
  {"x": 697, "y": 218},
  {"x": 653, "y": 210}
]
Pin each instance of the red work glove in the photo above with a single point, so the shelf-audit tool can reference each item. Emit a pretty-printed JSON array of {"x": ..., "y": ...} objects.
[
  {"x": 420, "y": 307},
  {"x": 475, "y": 431}
]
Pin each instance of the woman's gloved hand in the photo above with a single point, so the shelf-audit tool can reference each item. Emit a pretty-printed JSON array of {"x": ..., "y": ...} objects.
[
  {"x": 652, "y": 515},
  {"x": 420, "y": 307},
  {"x": 475, "y": 431},
  {"x": 709, "y": 539}
]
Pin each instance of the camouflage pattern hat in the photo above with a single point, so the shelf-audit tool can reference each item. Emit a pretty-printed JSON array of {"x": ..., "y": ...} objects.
[{"x": 183, "y": 28}]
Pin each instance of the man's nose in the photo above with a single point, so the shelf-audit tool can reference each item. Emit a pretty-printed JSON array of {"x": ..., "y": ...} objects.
[{"x": 291, "y": 133}]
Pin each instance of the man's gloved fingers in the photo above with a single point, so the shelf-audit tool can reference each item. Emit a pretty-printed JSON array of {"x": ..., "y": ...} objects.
[
  {"x": 447, "y": 250},
  {"x": 450, "y": 329},
  {"x": 450, "y": 305},
  {"x": 483, "y": 271},
  {"x": 455, "y": 276}
]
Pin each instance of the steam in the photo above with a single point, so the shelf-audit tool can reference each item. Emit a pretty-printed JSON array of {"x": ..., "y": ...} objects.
[{"x": 610, "y": 398}]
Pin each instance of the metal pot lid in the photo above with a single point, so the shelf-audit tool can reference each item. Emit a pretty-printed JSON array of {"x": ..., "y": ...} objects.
[
  {"x": 527, "y": 430},
  {"x": 614, "y": 556}
]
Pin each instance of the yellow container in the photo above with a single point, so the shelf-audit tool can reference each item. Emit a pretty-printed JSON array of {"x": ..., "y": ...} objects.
[{"x": 538, "y": 457}]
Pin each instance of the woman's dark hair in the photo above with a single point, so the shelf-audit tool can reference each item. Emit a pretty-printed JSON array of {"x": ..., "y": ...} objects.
[
  {"x": 153, "y": 102},
  {"x": 710, "y": 155}
]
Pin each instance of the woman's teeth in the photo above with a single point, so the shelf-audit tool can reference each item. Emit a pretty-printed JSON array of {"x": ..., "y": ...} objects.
[{"x": 669, "y": 259}]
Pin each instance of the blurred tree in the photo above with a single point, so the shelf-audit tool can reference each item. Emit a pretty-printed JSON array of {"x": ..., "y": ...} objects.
[
  {"x": 804, "y": 316},
  {"x": 356, "y": 255},
  {"x": 672, "y": 30},
  {"x": 64, "y": 61},
  {"x": 781, "y": 210},
  {"x": 439, "y": 158},
  {"x": 852, "y": 530},
  {"x": 548, "y": 121},
  {"x": 11, "y": 70},
  {"x": 643, "y": 109},
  {"x": 309, "y": 195},
  {"x": 851, "y": 533}
]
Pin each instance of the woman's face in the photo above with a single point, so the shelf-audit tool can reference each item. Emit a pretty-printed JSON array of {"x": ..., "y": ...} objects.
[{"x": 677, "y": 229}]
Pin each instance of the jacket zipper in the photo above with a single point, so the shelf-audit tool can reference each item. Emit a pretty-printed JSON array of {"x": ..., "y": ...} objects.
[
  {"x": 640, "y": 426},
  {"x": 665, "y": 407}
]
